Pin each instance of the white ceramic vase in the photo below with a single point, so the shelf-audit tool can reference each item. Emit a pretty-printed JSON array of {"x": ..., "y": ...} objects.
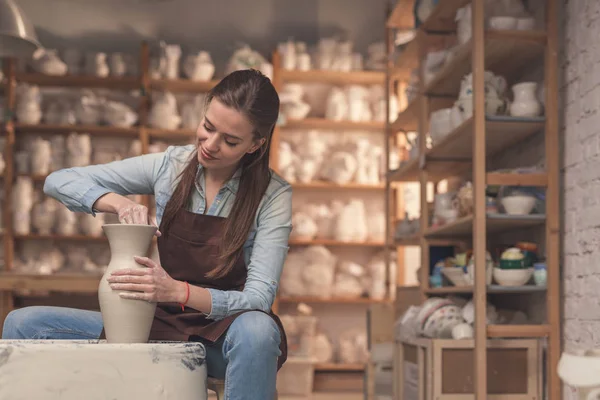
[
  {"x": 581, "y": 370},
  {"x": 125, "y": 320},
  {"x": 525, "y": 102}
]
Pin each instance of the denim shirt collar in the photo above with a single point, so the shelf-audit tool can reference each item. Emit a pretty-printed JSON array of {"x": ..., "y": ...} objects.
[{"x": 232, "y": 184}]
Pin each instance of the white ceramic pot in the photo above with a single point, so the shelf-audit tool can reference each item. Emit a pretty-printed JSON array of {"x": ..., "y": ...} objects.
[
  {"x": 512, "y": 277},
  {"x": 125, "y": 320},
  {"x": 525, "y": 102},
  {"x": 518, "y": 205},
  {"x": 581, "y": 370}
]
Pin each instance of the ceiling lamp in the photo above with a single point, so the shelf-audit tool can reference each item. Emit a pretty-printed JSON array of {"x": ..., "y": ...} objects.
[{"x": 17, "y": 34}]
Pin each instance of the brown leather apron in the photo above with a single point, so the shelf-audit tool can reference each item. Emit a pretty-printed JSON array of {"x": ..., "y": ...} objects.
[{"x": 187, "y": 252}]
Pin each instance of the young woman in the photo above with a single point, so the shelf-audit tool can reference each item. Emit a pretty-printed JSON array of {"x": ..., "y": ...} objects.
[{"x": 224, "y": 224}]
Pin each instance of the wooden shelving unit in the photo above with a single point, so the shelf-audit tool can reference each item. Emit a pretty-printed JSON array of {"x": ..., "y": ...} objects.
[
  {"x": 142, "y": 85},
  {"x": 322, "y": 123},
  {"x": 339, "y": 373},
  {"x": 464, "y": 152}
]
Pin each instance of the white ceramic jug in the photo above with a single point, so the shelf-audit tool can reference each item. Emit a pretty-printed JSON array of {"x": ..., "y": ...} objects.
[{"x": 125, "y": 320}]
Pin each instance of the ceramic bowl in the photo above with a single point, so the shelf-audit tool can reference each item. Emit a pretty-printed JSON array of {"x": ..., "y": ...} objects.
[
  {"x": 518, "y": 205},
  {"x": 437, "y": 317},
  {"x": 512, "y": 277},
  {"x": 456, "y": 275},
  {"x": 503, "y": 23},
  {"x": 512, "y": 264}
]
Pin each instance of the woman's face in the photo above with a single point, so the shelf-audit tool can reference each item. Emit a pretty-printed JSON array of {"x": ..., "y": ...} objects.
[{"x": 224, "y": 136}]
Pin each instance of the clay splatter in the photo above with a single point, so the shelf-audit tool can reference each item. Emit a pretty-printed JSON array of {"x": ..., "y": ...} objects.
[{"x": 5, "y": 355}]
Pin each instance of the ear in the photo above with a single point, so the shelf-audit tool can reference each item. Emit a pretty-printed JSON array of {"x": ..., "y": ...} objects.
[{"x": 257, "y": 145}]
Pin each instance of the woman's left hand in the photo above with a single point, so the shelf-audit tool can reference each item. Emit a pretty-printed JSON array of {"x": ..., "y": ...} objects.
[{"x": 152, "y": 284}]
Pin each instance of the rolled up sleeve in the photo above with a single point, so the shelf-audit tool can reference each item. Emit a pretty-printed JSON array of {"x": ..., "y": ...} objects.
[
  {"x": 274, "y": 225},
  {"x": 79, "y": 188}
]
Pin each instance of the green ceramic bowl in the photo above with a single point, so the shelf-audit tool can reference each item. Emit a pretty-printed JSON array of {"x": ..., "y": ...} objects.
[{"x": 513, "y": 264}]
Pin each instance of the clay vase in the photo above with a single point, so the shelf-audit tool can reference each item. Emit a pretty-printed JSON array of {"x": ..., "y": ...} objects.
[{"x": 125, "y": 320}]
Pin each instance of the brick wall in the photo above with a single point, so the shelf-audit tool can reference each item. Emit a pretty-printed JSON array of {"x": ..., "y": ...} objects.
[{"x": 580, "y": 109}]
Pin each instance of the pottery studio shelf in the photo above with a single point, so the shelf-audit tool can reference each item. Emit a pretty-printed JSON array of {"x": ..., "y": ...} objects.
[
  {"x": 323, "y": 367},
  {"x": 171, "y": 134},
  {"x": 334, "y": 243},
  {"x": 63, "y": 238},
  {"x": 330, "y": 300},
  {"x": 510, "y": 54},
  {"x": 452, "y": 155},
  {"x": 441, "y": 19},
  {"x": 81, "y": 81},
  {"x": 182, "y": 85},
  {"x": 495, "y": 223},
  {"x": 507, "y": 53},
  {"x": 333, "y": 186},
  {"x": 491, "y": 289},
  {"x": 327, "y": 124},
  {"x": 60, "y": 282},
  {"x": 333, "y": 77},
  {"x": 95, "y": 130}
]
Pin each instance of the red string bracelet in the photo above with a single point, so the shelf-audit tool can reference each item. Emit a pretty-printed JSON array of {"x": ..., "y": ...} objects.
[{"x": 187, "y": 297}]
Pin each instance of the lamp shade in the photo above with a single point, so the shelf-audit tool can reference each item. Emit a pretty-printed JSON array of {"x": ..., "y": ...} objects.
[{"x": 17, "y": 34}]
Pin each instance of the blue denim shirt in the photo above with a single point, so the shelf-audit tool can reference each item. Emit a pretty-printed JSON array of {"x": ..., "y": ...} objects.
[{"x": 155, "y": 174}]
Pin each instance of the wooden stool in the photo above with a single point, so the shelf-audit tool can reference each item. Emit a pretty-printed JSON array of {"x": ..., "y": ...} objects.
[{"x": 218, "y": 386}]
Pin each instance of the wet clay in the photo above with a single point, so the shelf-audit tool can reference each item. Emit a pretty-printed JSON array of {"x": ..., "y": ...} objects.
[
  {"x": 76, "y": 370},
  {"x": 125, "y": 320}
]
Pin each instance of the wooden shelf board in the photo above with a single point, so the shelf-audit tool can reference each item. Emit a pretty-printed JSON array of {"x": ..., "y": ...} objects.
[
  {"x": 518, "y": 331},
  {"x": 407, "y": 61},
  {"x": 492, "y": 289},
  {"x": 174, "y": 134},
  {"x": 408, "y": 172},
  {"x": 99, "y": 130},
  {"x": 506, "y": 53},
  {"x": 60, "y": 282},
  {"x": 452, "y": 155},
  {"x": 402, "y": 15},
  {"x": 513, "y": 179},
  {"x": 495, "y": 223},
  {"x": 442, "y": 18},
  {"x": 35, "y": 178},
  {"x": 408, "y": 119},
  {"x": 332, "y": 242},
  {"x": 339, "y": 367},
  {"x": 335, "y": 300},
  {"x": 334, "y": 77},
  {"x": 412, "y": 240},
  {"x": 75, "y": 238},
  {"x": 182, "y": 85},
  {"x": 323, "y": 123},
  {"x": 501, "y": 133},
  {"x": 81, "y": 81},
  {"x": 333, "y": 186}
]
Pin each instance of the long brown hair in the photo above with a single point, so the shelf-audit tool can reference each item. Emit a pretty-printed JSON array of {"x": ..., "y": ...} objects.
[{"x": 252, "y": 94}]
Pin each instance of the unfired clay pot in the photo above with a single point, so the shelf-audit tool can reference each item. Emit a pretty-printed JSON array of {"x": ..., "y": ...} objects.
[{"x": 125, "y": 320}]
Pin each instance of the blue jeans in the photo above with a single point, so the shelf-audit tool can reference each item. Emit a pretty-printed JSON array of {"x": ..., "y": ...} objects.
[{"x": 246, "y": 356}]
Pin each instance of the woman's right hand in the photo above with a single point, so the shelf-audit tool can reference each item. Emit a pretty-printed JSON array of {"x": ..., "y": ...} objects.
[{"x": 133, "y": 213}]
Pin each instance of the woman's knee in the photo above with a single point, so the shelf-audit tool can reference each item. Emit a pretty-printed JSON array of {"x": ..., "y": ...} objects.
[
  {"x": 23, "y": 323},
  {"x": 254, "y": 330}
]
